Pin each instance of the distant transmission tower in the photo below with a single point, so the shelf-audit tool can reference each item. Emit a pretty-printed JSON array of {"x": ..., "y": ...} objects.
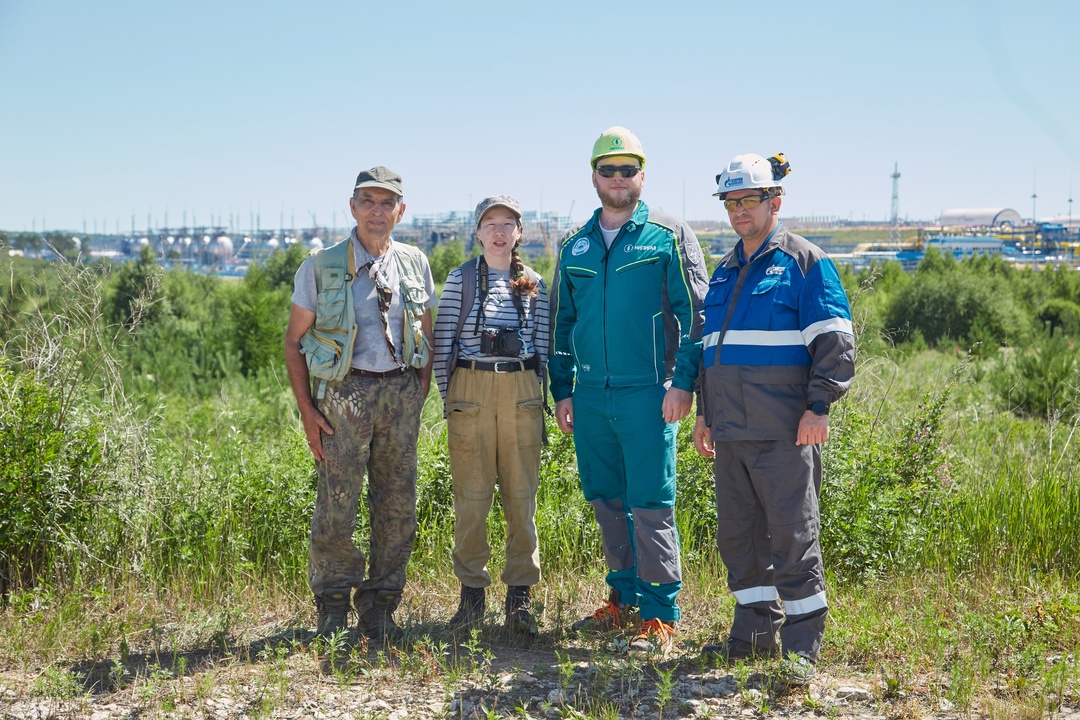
[{"x": 894, "y": 229}]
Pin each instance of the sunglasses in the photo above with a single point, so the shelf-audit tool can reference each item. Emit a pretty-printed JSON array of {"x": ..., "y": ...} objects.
[
  {"x": 609, "y": 171},
  {"x": 747, "y": 202}
]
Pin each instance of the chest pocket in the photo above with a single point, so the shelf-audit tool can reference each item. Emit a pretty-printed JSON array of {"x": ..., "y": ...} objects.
[
  {"x": 638, "y": 264},
  {"x": 719, "y": 290},
  {"x": 580, "y": 279},
  {"x": 767, "y": 284},
  {"x": 331, "y": 298},
  {"x": 774, "y": 298}
]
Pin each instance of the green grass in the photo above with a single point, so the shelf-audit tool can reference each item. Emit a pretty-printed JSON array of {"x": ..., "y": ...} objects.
[{"x": 950, "y": 529}]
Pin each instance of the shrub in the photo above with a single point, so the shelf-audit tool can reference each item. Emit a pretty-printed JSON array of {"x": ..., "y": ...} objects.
[
  {"x": 957, "y": 306},
  {"x": 64, "y": 425},
  {"x": 1042, "y": 380},
  {"x": 884, "y": 489},
  {"x": 1060, "y": 314}
]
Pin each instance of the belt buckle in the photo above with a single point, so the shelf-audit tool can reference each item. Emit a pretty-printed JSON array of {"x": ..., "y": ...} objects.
[{"x": 501, "y": 362}]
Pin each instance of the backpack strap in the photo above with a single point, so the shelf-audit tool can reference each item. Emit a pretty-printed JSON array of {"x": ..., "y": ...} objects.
[{"x": 468, "y": 296}]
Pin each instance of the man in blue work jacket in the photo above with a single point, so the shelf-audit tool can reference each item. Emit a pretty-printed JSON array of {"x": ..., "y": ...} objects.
[
  {"x": 778, "y": 350},
  {"x": 627, "y": 346}
]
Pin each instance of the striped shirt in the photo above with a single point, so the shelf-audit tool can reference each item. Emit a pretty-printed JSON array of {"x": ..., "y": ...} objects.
[{"x": 499, "y": 311}]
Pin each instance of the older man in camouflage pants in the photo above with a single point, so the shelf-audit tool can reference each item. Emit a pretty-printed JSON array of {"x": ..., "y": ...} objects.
[{"x": 361, "y": 326}]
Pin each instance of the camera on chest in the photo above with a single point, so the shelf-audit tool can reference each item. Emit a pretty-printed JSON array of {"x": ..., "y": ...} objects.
[{"x": 501, "y": 341}]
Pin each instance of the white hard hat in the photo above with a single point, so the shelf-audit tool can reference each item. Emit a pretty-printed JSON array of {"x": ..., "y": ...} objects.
[{"x": 752, "y": 172}]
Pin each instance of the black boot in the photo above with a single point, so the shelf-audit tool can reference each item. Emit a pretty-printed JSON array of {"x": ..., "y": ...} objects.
[
  {"x": 519, "y": 617},
  {"x": 333, "y": 606},
  {"x": 471, "y": 606},
  {"x": 377, "y": 622}
]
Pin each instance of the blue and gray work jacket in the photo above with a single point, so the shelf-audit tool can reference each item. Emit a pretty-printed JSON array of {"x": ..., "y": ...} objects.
[{"x": 777, "y": 338}]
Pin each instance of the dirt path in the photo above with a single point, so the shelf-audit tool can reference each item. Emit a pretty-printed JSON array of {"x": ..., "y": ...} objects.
[{"x": 438, "y": 674}]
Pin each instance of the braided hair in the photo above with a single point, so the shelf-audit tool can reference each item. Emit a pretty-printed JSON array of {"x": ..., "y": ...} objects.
[{"x": 520, "y": 281}]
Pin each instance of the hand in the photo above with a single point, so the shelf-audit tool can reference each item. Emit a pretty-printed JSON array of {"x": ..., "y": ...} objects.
[
  {"x": 314, "y": 422},
  {"x": 703, "y": 438},
  {"x": 564, "y": 415},
  {"x": 677, "y": 404},
  {"x": 813, "y": 429}
]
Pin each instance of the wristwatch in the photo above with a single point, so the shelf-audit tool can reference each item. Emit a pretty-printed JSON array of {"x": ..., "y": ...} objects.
[{"x": 818, "y": 407}]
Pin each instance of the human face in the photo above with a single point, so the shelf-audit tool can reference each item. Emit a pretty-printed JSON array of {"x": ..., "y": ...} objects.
[
  {"x": 498, "y": 234},
  {"x": 619, "y": 193},
  {"x": 753, "y": 225},
  {"x": 376, "y": 212}
]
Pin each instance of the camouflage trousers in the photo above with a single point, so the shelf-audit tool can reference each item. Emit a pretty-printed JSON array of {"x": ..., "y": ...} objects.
[{"x": 376, "y": 422}]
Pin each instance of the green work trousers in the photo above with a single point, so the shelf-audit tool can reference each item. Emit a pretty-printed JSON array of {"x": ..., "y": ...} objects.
[{"x": 626, "y": 459}]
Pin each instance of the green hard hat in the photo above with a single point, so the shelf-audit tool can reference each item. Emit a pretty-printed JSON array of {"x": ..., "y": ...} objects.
[{"x": 617, "y": 141}]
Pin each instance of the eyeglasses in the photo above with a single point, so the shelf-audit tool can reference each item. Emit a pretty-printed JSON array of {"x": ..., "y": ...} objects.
[
  {"x": 366, "y": 204},
  {"x": 749, "y": 202},
  {"x": 609, "y": 171}
]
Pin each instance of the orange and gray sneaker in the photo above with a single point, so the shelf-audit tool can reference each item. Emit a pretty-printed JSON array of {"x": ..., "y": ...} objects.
[
  {"x": 609, "y": 617},
  {"x": 654, "y": 638}
]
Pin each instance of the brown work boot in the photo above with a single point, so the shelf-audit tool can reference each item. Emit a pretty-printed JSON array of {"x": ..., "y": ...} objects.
[
  {"x": 377, "y": 622},
  {"x": 471, "y": 606},
  {"x": 519, "y": 618},
  {"x": 654, "y": 638},
  {"x": 333, "y": 607},
  {"x": 610, "y": 616}
]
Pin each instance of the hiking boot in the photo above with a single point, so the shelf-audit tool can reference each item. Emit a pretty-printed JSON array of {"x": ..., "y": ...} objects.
[
  {"x": 733, "y": 650},
  {"x": 333, "y": 607},
  {"x": 612, "y": 615},
  {"x": 471, "y": 607},
  {"x": 795, "y": 672},
  {"x": 519, "y": 618},
  {"x": 654, "y": 638},
  {"x": 377, "y": 622}
]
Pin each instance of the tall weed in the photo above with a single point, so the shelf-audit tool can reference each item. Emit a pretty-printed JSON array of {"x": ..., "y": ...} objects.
[{"x": 66, "y": 434}]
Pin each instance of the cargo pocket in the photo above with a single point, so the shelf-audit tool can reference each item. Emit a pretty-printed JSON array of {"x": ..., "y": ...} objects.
[
  {"x": 321, "y": 357},
  {"x": 530, "y": 422},
  {"x": 461, "y": 425}
]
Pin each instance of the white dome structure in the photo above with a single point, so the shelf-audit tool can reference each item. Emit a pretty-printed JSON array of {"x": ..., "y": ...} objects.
[{"x": 980, "y": 218}]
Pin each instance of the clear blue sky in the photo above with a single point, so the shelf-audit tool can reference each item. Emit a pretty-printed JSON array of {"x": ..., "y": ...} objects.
[{"x": 111, "y": 109}]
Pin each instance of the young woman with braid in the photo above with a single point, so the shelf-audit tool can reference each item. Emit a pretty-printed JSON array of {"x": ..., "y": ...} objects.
[{"x": 491, "y": 339}]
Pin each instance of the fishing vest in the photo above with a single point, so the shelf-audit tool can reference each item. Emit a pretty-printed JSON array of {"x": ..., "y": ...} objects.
[{"x": 328, "y": 344}]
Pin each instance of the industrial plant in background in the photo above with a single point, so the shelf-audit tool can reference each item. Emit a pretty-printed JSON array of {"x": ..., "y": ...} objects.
[{"x": 223, "y": 250}]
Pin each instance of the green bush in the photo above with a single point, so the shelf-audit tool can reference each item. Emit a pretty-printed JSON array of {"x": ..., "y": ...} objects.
[
  {"x": 884, "y": 488},
  {"x": 957, "y": 306},
  {"x": 63, "y": 430},
  {"x": 1058, "y": 314},
  {"x": 1042, "y": 380},
  {"x": 51, "y": 477}
]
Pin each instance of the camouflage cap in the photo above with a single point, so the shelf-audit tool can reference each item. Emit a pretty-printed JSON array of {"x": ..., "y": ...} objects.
[
  {"x": 380, "y": 177},
  {"x": 497, "y": 201}
]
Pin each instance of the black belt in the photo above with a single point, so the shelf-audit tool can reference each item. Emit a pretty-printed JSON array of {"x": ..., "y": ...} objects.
[
  {"x": 503, "y": 366},
  {"x": 372, "y": 374}
]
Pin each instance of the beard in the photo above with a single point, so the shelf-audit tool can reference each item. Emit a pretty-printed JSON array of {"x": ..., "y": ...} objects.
[{"x": 619, "y": 202}]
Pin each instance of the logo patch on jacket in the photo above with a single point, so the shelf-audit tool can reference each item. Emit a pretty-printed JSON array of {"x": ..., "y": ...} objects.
[
  {"x": 775, "y": 270},
  {"x": 580, "y": 247}
]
